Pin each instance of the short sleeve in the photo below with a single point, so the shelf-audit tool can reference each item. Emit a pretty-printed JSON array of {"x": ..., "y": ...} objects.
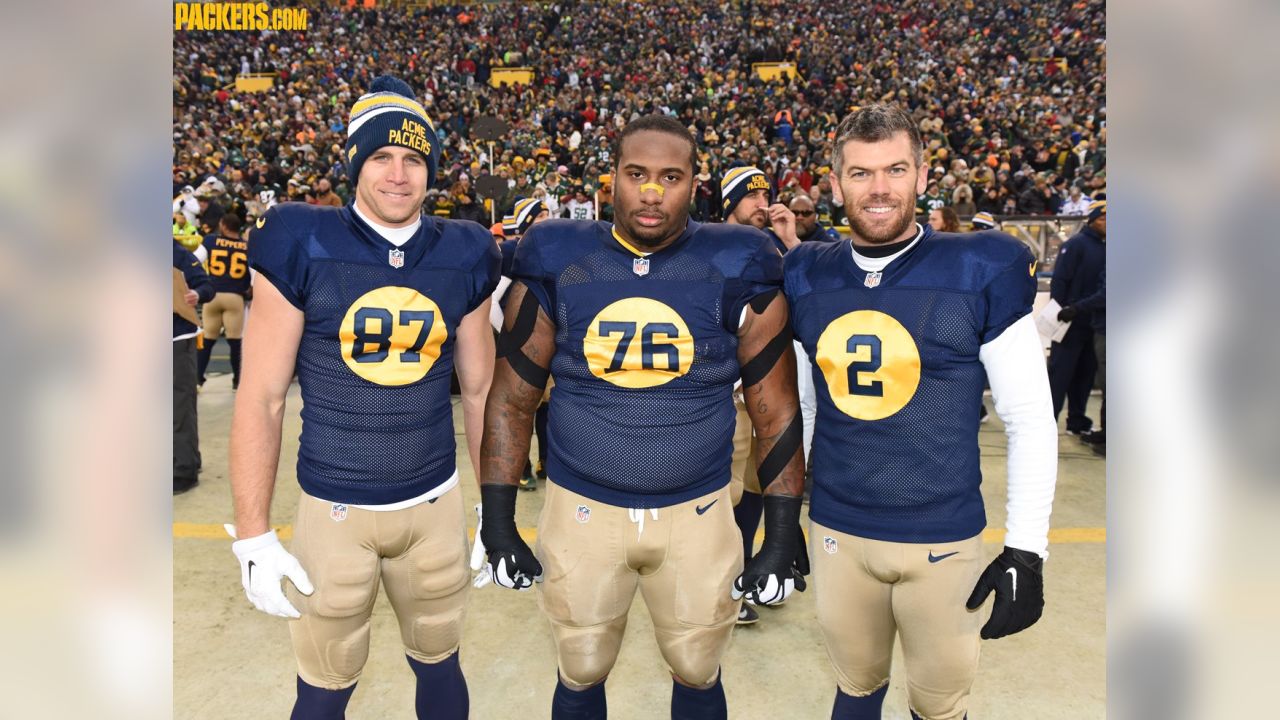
[
  {"x": 1009, "y": 296},
  {"x": 528, "y": 268},
  {"x": 276, "y": 254},
  {"x": 762, "y": 273},
  {"x": 484, "y": 274}
]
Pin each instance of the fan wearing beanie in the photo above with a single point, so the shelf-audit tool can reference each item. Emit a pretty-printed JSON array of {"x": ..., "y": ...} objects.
[{"x": 376, "y": 305}]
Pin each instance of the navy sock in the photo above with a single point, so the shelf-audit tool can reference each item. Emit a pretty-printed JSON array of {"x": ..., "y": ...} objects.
[
  {"x": 319, "y": 704},
  {"x": 202, "y": 358},
  {"x": 442, "y": 690},
  {"x": 692, "y": 704},
  {"x": 235, "y": 360},
  {"x": 586, "y": 704},
  {"x": 867, "y": 707},
  {"x": 747, "y": 515}
]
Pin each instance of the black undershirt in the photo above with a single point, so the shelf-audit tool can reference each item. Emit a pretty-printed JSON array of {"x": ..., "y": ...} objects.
[{"x": 879, "y": 251}]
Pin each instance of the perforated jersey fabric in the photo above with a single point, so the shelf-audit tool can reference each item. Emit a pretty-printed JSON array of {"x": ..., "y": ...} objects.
[
  {"x": 377, "y": 423},
  {"x": 912, "y": 475},
  {"x": 664, "y": 444}
]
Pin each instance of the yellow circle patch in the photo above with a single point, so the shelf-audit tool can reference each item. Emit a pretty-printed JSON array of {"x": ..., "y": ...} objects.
[
  {"x": 871, "y": 364},
  {"x": 638, "y": 343},
  {"x": 392, "y": 335}
]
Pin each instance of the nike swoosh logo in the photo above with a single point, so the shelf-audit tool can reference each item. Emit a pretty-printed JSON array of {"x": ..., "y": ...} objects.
[
  {"x": 706, "y": 507},
  {"x": 251, "y": 572},
  {"x": 1014, "y": 572},
  {"x": 936, "y": 558}
]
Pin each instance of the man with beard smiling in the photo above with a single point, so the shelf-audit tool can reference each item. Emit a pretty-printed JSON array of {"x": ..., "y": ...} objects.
[
  {"x": 641, "y": 427},
  {"x": 901, "y": 323}
]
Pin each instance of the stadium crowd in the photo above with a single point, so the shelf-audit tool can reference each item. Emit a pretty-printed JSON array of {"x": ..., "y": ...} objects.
[{"x": 1010, "y": 97}]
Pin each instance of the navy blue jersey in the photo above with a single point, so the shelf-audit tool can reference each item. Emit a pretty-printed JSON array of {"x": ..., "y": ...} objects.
[
  {"x": 895, "y": 365},
  {"x": 196, "y": 278},
  {"x": 377, "y": 347},
  {"x": 508, "y": 250},
  {"x": 642, "y": 413},
  {"x": 228, "y": 263}
]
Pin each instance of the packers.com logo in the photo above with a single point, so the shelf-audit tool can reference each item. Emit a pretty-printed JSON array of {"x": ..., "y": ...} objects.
[{"x": 236, "y": 16}]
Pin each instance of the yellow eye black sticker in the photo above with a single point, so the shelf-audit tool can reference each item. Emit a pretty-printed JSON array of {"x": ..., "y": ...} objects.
[
  {"x": 871, "y": 364},
  {"x": 638, "y": 343},
  {"x": 392, "y": 335}
]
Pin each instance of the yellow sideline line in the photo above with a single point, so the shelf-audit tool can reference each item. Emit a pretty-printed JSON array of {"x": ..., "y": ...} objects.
[{"x": 1057, "y": 536}]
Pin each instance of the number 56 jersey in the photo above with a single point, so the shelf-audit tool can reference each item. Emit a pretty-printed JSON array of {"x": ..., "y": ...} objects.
[
  {"x": 642, "y": 415},
  {"x": 376, "y": 354},
  {"x": 894, "y": 358}
]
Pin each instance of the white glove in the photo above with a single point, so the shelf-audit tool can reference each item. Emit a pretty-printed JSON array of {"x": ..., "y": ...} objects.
[
  {"x": 479, "y": 557},
  {"x": 263, "y": 562}
]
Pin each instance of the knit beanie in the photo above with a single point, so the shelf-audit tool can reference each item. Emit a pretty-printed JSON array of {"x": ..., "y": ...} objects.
[
  {"x": 738, "y": 182},
  {"x": 388, "y": 115}
]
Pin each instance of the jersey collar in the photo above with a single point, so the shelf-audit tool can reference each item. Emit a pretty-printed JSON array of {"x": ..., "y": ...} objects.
[
  {"x": 379, "y": 248},
  {"x": 617, "y": 242}
]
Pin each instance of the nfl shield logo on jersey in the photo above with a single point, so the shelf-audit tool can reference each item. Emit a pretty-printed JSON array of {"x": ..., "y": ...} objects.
[
  {"x": 640, "y": 266},
  {"x": 396, "y": 258},
  {"x": 583, "y": 514},
  {"x": 872, "y": 279},
  {"x": 338, "y": 512},
  {"x": 829, "y": 544}
]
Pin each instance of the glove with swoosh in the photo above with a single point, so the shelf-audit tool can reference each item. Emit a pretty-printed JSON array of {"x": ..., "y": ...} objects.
[
  {"x": 263, "y": 564},
  {"x": 1017, "y": 578}
]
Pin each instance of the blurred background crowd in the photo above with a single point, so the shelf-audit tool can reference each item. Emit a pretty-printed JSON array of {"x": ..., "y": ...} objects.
[{"x": 1009, "y": 96}]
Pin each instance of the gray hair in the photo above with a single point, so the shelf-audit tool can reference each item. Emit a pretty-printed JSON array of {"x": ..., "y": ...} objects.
[{"x": 875, "y": 123}]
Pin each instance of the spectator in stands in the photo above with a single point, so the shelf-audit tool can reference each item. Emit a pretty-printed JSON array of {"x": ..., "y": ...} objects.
[
  {"x": 808, "y": 228},
  {"x": 325, "y": 195},
  {"x": 962, "y": 201},
  {"x": 991, "y": 116},
  {"x": 931, "y": 200},
  {"x": 1036, "y": 199},
  {"x": 944, "y": 219},
  {"x": 1077, "y": 203},
  {"x": 185, "y": 232}
]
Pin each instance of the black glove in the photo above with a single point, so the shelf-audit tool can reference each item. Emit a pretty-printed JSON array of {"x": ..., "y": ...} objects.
[
  {"x": 801, "y": 564},
  {"x": 511, "y": 562},
  {"x": 1067, "y": 314},
  {"x": 780, "y": 566},
  {"x": 1017, "y": 577}
]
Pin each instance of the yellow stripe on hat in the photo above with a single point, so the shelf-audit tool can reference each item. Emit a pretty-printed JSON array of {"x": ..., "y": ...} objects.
[
  {"x": 369, "y": 102},
  {"x": 1098, "y": 205},
  {"x": 736, "y": 173},
  {"x": 737, "y": 176}
]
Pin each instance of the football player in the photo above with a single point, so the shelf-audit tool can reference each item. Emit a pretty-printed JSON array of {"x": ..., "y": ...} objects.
[
  {"x": 645, "y": 325},
  {"x": 376, "y": 303},
  {"x": 901, "y": 323},
  {"x": 526, "y": 213},
  {"x": 748, "y": 200},
  {"x": 228, "y": 263}
]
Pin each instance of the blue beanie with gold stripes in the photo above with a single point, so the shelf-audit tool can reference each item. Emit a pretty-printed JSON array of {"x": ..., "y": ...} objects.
[
  {"x": 388, "y": 115},
  {"x": 522, "y": 216},
  {"x": 737, "y": 183}
]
